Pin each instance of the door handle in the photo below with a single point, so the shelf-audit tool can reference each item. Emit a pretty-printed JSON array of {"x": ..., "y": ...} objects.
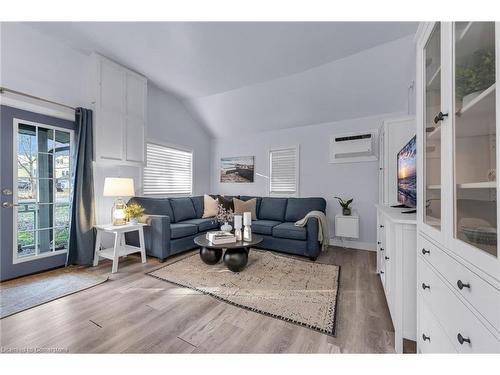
[{"x": 9, "y": 205}]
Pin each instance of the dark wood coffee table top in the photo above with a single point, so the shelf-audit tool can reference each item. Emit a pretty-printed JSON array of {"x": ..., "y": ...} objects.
[{"x": 202, "y": 241}]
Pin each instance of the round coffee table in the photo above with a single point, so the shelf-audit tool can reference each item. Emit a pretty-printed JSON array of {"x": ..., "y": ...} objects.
[{"x": 235, "y": 253}]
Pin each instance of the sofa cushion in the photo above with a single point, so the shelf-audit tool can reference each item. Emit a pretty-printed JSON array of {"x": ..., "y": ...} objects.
[
  {"x": 248, "y": 197},
  {"x": 264, "y": 226},
  {"x": 297, "y": 208},
  {"x": 203, "y": 224},
  {"x": 198, "y": 205},
  {"x": 183, "y": 209},
  {"x": 240, "y": 207},
  {"x": 272, "y": 209},
  {"x": 154, "y": 206},
  {"x": 290, "y": 231},
  {"x": 179, "y": 230}
]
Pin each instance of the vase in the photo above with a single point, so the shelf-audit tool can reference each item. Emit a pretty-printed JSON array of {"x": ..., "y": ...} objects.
[
  {"x": 133, "y": 221},
  {"x": 226, "y": 227},
  {"x": 346, "y": 211}
]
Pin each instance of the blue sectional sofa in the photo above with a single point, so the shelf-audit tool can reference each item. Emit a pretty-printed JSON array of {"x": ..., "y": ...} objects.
[{"x": 175, "y": 222}]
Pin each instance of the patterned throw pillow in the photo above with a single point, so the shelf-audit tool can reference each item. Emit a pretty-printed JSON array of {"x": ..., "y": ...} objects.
[
  {"x": 209, "y": 206},
  {"x": 245, "y": 206}
]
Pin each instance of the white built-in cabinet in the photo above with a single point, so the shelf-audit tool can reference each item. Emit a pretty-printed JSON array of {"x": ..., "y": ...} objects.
[
  {"x": 120, "y": 113},
  {"x": 396, "y": 258},
  {"x": 458, "y": 266}
]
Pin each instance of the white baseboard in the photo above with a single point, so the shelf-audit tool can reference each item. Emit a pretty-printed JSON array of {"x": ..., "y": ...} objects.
[{"x": 353, "y": 244}]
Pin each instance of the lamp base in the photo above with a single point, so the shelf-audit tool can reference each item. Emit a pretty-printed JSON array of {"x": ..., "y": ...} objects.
[{"x": 118, "y": 212}]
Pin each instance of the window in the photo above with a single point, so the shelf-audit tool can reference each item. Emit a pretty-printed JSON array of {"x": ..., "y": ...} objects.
[
  {"x": 284, "y": 171},
  {"x": 168, "y": 171}
]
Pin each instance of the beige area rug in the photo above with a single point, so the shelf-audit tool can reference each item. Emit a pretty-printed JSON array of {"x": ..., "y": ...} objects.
[
  {"x": 24, "y": 293},
  {"x": 297, "y": 291}
]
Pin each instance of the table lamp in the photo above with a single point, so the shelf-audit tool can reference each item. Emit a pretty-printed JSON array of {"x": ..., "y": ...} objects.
[{"x": 118, "y": 188}]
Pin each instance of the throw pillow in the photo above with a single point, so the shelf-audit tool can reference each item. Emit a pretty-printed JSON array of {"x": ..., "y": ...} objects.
[
  {"x": 209, "y": 206},
  {"x": 245, "y": 206}
]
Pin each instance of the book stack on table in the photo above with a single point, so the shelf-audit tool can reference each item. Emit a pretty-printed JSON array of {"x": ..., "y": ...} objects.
[{"x": 220, "y": 237}]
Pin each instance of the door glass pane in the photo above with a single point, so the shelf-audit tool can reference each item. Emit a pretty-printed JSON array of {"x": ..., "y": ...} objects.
[
  {"x": 61, "y": 236},
  {"x": 45, "y": 240},
  {"x": 63, "y": 190},
  {"x": 25, "y": 244},
  {"x": 62, "y": 214},
  {"x": 45, "y": 166},
  {"x": 46, "y": 190},
  {"x": 45, "y": 140},
  {"x": 26, "y": 163},
  {"x": 45, "y": 216},
  {"x": 26, "y": 217},
  {"x": 432, "y": 143},
  {"x": 475, "y": 135}
]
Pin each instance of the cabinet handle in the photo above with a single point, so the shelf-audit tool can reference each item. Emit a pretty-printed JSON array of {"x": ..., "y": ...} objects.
[
  {"x": 425, "y": 338},
  {"x": 424, "y": 287},
  {"x": 462, "y": 339},
  {"x": 381, "y": 249},
  {"x": 440, "y": 117},
  {"x": 387, "y": 258},
  {"x": 381, "y": 226},
  {"x": 425, "y": 251},
  {"x": 378, "y": 242},
  {"x": 461, "y": 285},
  {"x": 381, "y": 272}
]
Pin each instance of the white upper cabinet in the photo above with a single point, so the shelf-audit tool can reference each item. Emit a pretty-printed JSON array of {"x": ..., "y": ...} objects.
[
  {"x": 457, "y": 119},
  {"x": 120, "y": 113}
]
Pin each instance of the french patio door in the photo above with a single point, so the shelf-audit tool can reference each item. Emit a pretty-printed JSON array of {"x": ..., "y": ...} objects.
[{"x": 36, "y": 195}]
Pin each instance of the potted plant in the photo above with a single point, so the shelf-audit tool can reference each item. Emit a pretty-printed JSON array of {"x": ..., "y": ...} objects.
[
  {"x": 133, "y": 212},
  {"x": 224, "y": 217},
  {"x": 345, "y": 204}
]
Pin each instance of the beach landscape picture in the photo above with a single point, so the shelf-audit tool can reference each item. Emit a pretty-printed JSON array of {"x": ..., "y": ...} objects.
[{"x": 237, "y": 169}]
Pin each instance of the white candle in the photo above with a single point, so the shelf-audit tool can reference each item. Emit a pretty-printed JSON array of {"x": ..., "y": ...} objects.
[
  {"x": 237, "y": 222},
  {"x": 247, "y": 218}
]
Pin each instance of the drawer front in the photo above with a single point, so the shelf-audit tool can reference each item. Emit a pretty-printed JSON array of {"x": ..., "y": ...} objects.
[
  {"x": 479, "y": 293},
  {"x": 431, "y": 337},
  {"x": 455, "y": 318}
]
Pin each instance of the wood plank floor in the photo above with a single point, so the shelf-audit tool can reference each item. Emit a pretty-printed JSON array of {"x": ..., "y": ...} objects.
[{"x": 136, "y": 313}]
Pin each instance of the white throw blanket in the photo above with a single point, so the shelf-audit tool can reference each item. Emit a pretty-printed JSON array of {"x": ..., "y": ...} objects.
[{"x": 323, "y": 233}]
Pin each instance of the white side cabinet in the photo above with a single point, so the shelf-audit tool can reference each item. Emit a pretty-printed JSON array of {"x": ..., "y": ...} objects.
[
  {"x": 458, "y": 265},
  {"x": 120, "y": 97},
  {"x": 396, "y": 258}
]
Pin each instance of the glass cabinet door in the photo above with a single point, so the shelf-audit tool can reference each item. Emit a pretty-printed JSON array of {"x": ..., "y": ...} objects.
[
  {"x": 432, "y": 139},
  {"x": 475, "y": 135}
]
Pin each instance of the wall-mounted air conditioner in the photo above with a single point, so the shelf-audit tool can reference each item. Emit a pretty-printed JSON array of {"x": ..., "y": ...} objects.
[{"x": 354, "y": 147}]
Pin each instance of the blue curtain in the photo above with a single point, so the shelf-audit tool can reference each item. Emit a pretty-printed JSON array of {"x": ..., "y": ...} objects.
[{"x": 81, "y": 237}]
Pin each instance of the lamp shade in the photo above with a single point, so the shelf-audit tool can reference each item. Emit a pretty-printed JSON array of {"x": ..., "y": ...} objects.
[{"x": 118, "y": 187}]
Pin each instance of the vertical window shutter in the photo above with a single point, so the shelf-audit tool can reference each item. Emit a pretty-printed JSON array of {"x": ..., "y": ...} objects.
[
  {"x": 284, "y": 171},
  {"x": 168, "y": 171}
]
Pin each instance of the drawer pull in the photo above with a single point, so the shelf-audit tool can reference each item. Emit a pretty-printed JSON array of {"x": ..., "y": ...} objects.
[
  {"x": 378, "y": 242},
  {"x": 387, "y": 258},
  {"x": 461, "y": 285},
  {"x": 462, "y": 339},
  {"x": 381, "y": 272},
  {"x": 381, "y": 249},
  {"x": 381, "y": 226},
  {"x": 425, "y": 338},
  {"x": 425, "y": 251},
  {"x": 424, "y": 286}
]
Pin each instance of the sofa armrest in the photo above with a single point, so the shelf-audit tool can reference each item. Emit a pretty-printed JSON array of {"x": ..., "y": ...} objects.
[
  {"x": 156, "y": 235},
  {"x": 313, "y": 245}
]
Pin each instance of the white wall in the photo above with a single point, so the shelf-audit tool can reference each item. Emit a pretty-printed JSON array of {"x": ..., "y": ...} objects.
[{"x": 317, "y": 176}]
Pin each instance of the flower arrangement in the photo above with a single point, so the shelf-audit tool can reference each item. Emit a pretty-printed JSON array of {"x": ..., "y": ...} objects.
[
  {"x": 223, "y": 215},
  {"x": 345, "y": 204},
  {"x": 133, "y": 212}
]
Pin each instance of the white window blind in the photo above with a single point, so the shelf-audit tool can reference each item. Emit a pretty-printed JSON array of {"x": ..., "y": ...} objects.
[
  {"x": 284, "y": 171},
  {"x": 168, "y": 171}
]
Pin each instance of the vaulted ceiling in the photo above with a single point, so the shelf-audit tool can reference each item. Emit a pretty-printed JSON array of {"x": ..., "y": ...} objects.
[{"x": 259, "y": 76}]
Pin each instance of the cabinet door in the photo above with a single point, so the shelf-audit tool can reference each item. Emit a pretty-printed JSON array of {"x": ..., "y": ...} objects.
[
  {"x": 135, "y": 117},
  {"x": 474, "y": 151},
  {"x": 432, "y": 130}
]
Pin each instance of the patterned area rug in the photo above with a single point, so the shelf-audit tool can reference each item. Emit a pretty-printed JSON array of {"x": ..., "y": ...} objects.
[
  {"x": 24, "y": 293},
  {"x": 297, "y": 291}
]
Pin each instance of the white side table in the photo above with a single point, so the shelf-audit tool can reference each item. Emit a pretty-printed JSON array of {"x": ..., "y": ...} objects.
[
  {"x": 347, "y": 226},
  {"x": 120, "y": 248}
]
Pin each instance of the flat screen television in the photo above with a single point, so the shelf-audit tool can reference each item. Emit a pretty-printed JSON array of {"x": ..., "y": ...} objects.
[{"x": 407, "y": 174}]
